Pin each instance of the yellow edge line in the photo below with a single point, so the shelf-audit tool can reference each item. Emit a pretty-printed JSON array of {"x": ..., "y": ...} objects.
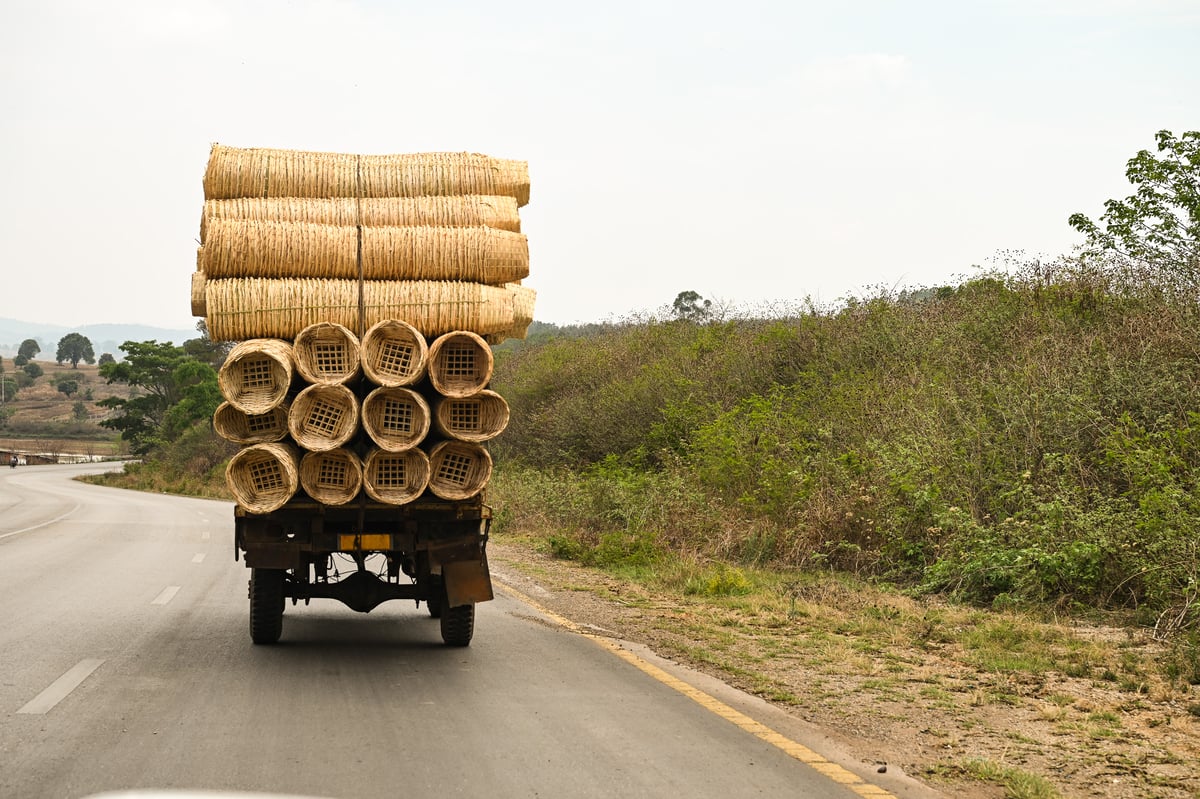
[{"x": 826, "y": 768}]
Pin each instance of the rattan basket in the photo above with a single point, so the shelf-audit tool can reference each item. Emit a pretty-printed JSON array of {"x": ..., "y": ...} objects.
[
  {"x": 333, "y": 477},
  {"x": 257, "y": 374},
  {"x": 327, "y": 353},
  {"x": 396, "y": 418},
  {"x": 242, "y": 308},
  {"x": 323, "y": 417},
  {"x": 460, "y": 363},
  {"x": 394, "y": 353},
  {"x": 396, "y": 478},
  {"x": 251, "y": 428},
  {"x": 479, "y": 417},
  {"x": 458, "y": 469},
  {"x": 263, "y": 477},
  {"x": 454, "y": 211},
  {"x": 198, "y": 303}
]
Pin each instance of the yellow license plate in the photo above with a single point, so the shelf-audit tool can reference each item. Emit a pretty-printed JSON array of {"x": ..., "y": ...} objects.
[{"x": 365, "y": 541}]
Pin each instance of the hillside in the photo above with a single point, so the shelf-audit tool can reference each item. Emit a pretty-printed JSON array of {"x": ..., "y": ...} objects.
[
  {"x": 42, "y": 418},
  {"x": 104, "y": 337}
]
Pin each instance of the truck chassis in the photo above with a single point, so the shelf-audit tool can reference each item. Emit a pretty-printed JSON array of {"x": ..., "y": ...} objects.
[{"x": 433, "y": 551}]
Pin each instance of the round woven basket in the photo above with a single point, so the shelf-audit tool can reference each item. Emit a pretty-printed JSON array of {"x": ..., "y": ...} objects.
[
  {"x": 326, "y": 353},
  {"x": 251, "y": 428},
  {"x": 263, "y": 477},
  {"x": 323, "y": 417},
  {"x": 453, "y": 211},
  {"x": 479, "y": 417},
  {"x": 198, "y": 302},
  {"x": 258, "y": 172},
  {"x": 333, "y": 477},
  {"x": 394, "y": 353},
  {"x": 396, "y": 478},
  {"x": 459, "y": 469},
  {"x": 242, "y": 308},
  {"x": 257, "y": 374},
  {"x": 396, "y": 418},
  {"x": 460, "y": 363}
]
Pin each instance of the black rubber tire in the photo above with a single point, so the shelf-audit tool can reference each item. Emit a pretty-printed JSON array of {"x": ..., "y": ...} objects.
[
  {"x": 437, "y": 596},
  {"x": 458, "y": 625},
  {"x": 266, "y": 605}
]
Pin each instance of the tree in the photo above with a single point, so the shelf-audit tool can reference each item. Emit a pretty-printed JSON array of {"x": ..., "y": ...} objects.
[
  {"x": 106, "y": 358},
  {"x": 179, "y": 391},
  {"x": 79, "y": 411},
  {"x": 75, "y": 347},
  {"x": 68, "y": 387},
  {"x": 691, "y": 307},
  {"x": 1158, "y": 226},
  {"x": 29, "y": 348},
  {"x": 33, "y": 370}
]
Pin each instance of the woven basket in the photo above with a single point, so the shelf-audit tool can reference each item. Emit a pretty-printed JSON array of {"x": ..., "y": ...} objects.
[
  {"x": 524, "y": 299},
  {"x": 458, "y": 469},
  {"x": 257, "y": 374},
  {"x": 236, "y": 172},
  {"x": 454, "y": 211},
  {"x": 333, "y": 477},
  {"x": 251, "y": 428},
  {"x": 396, "y": 478},
  {"x": 479, "y": 417},
  {"x": 251, "y": 248},
  {"x": 327, "y": 353},
  {"x": 263, "y": 477},
  {"x": 460, "y": 364},
  {"x": 242, "y": 308},
  {"x": 323, "y": 417},
  {"x": 394, "y": 353},
  {"x": 397, "y": 419},
  {"x": 198, "y": 304}
]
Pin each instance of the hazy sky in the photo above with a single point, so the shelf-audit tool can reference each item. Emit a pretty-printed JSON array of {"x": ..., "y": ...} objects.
[{"x": 753, "y": 152}]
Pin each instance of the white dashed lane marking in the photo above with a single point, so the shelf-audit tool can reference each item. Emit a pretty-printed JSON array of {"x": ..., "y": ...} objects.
[
  {"x": 198, "y": 557},
  {"x": 61, "y": 688},
  {"x": 166, "y": 595}
]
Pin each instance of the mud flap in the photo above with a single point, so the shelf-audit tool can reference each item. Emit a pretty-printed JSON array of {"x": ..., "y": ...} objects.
[{"x": 467, "y": 582}]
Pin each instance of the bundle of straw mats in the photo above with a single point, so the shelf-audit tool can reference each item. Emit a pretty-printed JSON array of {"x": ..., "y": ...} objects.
[
  {"x": 291, "y": 238},
  {"x": 332, "y": 417}
]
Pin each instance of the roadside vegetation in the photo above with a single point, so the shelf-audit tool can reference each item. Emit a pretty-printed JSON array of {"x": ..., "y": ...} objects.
[{"x": 963, "y": 469}]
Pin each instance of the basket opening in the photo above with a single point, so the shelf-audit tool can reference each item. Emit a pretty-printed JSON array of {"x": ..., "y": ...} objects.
[
  {"x": 334, "y": 473},
  {"x": 330, "y": 359},
  {"x": 465, "y": 416},
  {"x": 266, "y": 475},
  {"x": 391, "y": 472},
  {"x": 257, "y": 373},
  {"x": 455, "y": 468},
  {"x": 261, "y": 422},
  {"x": 458, "y": 361},
  {"x": 395, "y": 357},
  {"x": 397, "y": 416},
  {"x": 324, "y": 418}
]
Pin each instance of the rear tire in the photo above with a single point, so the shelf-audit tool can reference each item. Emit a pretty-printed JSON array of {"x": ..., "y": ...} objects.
[
  {"x": 266, "y": 605},
  {"x": 458, "y": 625}
]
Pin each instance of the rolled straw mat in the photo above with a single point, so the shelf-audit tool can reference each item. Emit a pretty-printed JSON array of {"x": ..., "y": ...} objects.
[
  {"x": 263, "y": 477},
  {"x": 259, "y": 172},
  {"x": 472, "y": 210},
  {"x": 256, "y": 374},
  {"x": 241, "y": 308},
  {"x": 249, "y": 248}
]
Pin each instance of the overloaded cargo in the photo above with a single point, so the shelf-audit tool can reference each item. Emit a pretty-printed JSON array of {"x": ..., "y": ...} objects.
[{"x": 363, "y": 294}]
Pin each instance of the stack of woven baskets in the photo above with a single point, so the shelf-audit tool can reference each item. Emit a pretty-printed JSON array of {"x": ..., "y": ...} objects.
[{"x": 364, "y": 293}]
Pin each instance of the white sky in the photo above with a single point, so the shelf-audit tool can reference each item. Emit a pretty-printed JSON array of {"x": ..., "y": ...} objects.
[{"x": 753, "y": 152}]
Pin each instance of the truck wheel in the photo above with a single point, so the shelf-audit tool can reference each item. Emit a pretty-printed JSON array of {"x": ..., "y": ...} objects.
[
  {"x": 266, "y": 605},
  {"x": 458, "y": 625},
  {"x": 437, "y": 595}
]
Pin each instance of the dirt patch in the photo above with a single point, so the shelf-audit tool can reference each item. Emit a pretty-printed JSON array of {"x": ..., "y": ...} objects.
[{"x": 889, "y": 675}]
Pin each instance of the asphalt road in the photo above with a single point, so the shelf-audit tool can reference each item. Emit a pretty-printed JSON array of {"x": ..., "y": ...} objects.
[{"x": 126, "y": 663}]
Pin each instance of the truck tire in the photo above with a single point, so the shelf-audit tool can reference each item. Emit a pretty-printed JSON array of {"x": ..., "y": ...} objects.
[
  {"x": 437, "y": 596},
  {"x": 458, "y": 625},
  {"x": 266, "y": 605}
]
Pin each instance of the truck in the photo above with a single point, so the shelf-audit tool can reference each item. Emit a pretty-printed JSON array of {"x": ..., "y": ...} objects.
[{"x": 430, "y": 550}]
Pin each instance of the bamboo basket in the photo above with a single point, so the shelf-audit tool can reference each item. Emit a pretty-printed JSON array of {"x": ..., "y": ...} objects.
[
  {"x": 470, "y": 210},
  {"x": 477, "y": 418},
  {"x": 263, "y": 477},
  {"x": 395, "y": 478},
  {"x": 524, "y": 299},
  {"x": 323, "y": 418},
  {"x": 251, "y": 248},
  {"x": 257, "y": 374},
  {"x": 327, "y": 353},
  {"x": 258, "y": 172},
  {"x": 458, "y": 469},
  {"x": 394, "y": 353},
  {"x": 240, "y": 427},
  {"x": 242, "y": 308},
  {"x": 199, "y": 307},
  {"x": 333, "y": 477},
  {"x": 397, "y": 419},
  {"x": 460, "y": 363}
]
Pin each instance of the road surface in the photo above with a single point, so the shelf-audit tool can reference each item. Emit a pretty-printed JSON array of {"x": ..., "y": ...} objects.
[{"x": 126, "y": 663}]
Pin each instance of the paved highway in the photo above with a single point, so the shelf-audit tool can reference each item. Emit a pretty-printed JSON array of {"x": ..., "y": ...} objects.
[{"x": 125, "y": 663}]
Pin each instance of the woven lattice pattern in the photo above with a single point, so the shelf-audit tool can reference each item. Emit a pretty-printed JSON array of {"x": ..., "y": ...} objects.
[
  {"x": 263, "y": 477},
  {"x": 396, "y": 478},
  {"x": 458, "y": 469},
  {"x": 251, "y": 428},
  {"x": 323, "y": 417},
  {"x": 460, "y": 363},
  {"x": 395, "y": 418},
  {"x": 333, "y": 477},
  {"x": 257, "y": 374},
  {"x": 327, "y": 353},
  {"x": 480, "y": 417}
]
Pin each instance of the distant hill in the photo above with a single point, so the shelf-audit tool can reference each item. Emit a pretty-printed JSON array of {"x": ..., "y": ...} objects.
[{"x": 104, "y": 338}]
